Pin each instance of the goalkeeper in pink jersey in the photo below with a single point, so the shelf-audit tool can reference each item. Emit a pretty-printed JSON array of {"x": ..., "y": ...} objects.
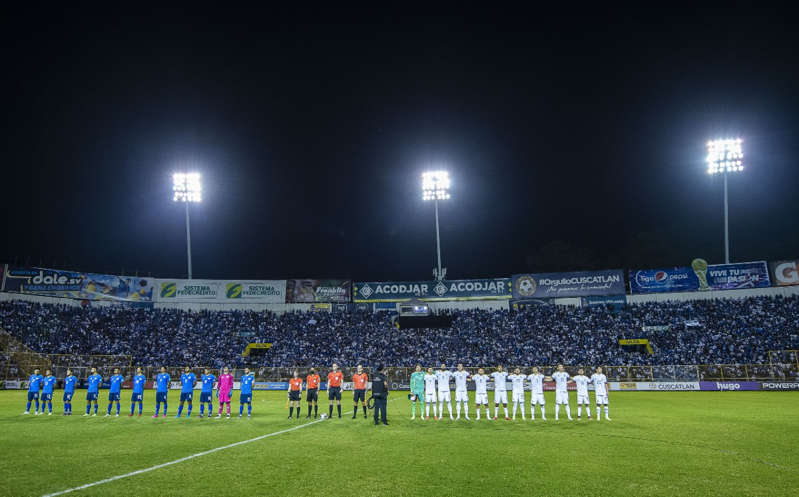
[{"x": 224, "y": 390}]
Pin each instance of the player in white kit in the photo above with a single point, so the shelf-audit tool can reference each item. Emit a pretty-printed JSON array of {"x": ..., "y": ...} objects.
[
  {"x": 480, "y": 393},
  {"x": 537, "y": 393},
  {"x": 442, "y": 376},
  {"x": 517, "y": 395},
  {"x": 429, "y": 393},
  {"x": 461, "y": 393},
  {"x": 561, "y": 378},
  {"x": 500, "y": 391},
  {"x": 582, "y": 381},
  {"x": 600, "y": 382}
]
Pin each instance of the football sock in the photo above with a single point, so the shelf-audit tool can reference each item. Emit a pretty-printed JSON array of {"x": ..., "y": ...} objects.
[
  {"x": 330, "y": 412},
  {"x": 515, "y": 406},
  {"x": 338, "y": 408},
  {"x": 522, "y": 408},
  {"x": 354, "y": 412},
  {"x": 132, "y": 406},
  {"x": 95, "y": 408},
  {"x": 180, "y": 409},
  {"x": 28, "y": 407},
  {"x": 249, "y": 408},
  {"x": 580, "y": 410},
  {"x": 506, "y": 410},
  {"x": 117, "y": 407},
  {"x": 568, "y": 411},
  {"x": 458, "y": 409},
  {"x": 188, "y": 411}
]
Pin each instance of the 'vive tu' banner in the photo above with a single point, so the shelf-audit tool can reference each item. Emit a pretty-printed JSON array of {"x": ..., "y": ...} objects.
[
  {"x": 261, "y": 292},
  {"x": 85, "y": 286},
  {"x": 574, "y": 284},
  {"x": 400, "y": 291}
]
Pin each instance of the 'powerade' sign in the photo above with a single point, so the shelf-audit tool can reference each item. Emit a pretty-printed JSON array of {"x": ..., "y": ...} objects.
[
  {"x": 399, "y": 291},
  {"x": 575, "y": 284}
]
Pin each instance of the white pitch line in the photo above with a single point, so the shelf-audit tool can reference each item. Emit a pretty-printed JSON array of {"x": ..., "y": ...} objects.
[{"x": 182, "y": 459}]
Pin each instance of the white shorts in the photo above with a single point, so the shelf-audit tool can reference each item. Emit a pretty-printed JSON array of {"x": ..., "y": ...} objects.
[
  {"x": 537, "y": 398},
  {"x": 601, "y": 400},
  {"x": 518, "y": 396},
  {"x": 583, "y": 399},
  {"x": 444, "y": 396},
  {"x": 461, "y": 396},
  {"x": 561, "y": 397},
  {"x": 481, "y": 399},
  {"x": 500, "y": 397},
  {"x": 430, "y": 396}
]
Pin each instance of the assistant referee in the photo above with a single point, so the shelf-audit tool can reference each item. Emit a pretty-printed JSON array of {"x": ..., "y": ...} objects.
[{"x": 380, "y": 394}]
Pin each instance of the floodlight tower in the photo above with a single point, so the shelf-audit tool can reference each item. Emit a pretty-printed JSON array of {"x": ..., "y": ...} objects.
[
  {"x": 435, "y": 187},
  {"x": 187, "y": 188},
  {"x": 725, "y": 156}
]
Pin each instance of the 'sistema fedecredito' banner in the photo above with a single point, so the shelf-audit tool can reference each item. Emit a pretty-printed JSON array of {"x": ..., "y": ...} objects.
[
  {"x": 400, "y": 291},
  {"x": 258, "y": 291}
]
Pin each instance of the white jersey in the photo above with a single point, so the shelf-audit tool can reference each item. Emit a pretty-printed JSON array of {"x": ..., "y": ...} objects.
[
  {"x": 600, "y": 382},
  {"x": 429, "y": 383},
  {"x": 582, "y": 384},
  {"x": 480, "y": 381},
  {"x": 517, "y": 382},
  {"x": 460, "y": 380},
  {"x": 536, "y": 383},
  {"x": 561, "y": 381},
  {"x": 499, "y": 381},
  {"x": 443, "y": 380}
]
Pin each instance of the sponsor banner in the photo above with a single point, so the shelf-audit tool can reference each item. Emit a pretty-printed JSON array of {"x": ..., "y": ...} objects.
[
  {"x": 780, "y": 385},
  {"x": 615, "y": 301},
  {"x": 784, "y": 273},
  {"x": 264, "y": 292},
  {"x": 735, "y": 276},
  {"x": 270, "y": 385},
  {"x": 677, "y": 279},
  {"x": 656, "y": 328},
  {"x": 574, "y": 284},
  {"x": 13, "y": 384},
  {"x": 85, "y": 286},
  {"x": 655, "y": 386},
  {"x": 401, "y": 291},
  {"x": 729, "y": 385},
  {"x": 309, "y": 291},
  {"x": 3, "y": 269}
]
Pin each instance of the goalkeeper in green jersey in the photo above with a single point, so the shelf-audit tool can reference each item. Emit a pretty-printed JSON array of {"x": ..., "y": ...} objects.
[{"x": 417, "y": 391}]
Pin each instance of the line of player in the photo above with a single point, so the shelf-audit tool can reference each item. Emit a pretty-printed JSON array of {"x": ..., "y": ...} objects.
[
  {"x": 211, "y": 387},
  {"x": 434, "y": 386}
]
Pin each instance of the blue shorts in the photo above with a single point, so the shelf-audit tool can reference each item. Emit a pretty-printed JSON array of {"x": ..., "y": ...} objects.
[
  {"x": 245, "y": 398},
  {"x": 160, "y": 396},
  {"x": 136, "y": 397},
  {"x": 206, "y": 397},
  {"x": 47, "y": 397},
  {"x": 33, "y": 396},
  {"x": 68, "y": 396},
  {"x": 113, "y": 397},
  {"x": 186, "y": 396},
  {"x": 91, "y": 396}
]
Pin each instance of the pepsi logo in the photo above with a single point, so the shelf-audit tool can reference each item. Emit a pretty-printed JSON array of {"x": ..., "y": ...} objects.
[{"x": 661, "y": 277}]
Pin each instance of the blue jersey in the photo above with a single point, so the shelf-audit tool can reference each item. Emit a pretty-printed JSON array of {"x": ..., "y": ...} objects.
[
  {"x": 94, "y": 383},
  {"x": 162, "y": 382},
  {"x": 208, "y": 383},
  {"x": 69, "y": 384},
  {"x": 187, "y": 381},
  {"x": 49, "y": 383},
  {"x": 246, "y": 383},
  {"x": 116, "y": 383},
  {"x": 138, "y": 383},
  {"x": 35, "y": 382}
]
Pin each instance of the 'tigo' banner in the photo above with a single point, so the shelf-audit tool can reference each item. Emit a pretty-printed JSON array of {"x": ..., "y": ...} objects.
[{"x": 700, "y": 276}]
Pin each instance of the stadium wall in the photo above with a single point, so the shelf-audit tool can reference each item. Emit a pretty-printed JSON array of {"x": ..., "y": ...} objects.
[{"x": 783, "y": 291}]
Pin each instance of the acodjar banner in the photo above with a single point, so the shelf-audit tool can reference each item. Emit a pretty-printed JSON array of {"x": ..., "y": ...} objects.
[
  {"x": 400, "y": 291},
  {"x": 263, "y": 291}
]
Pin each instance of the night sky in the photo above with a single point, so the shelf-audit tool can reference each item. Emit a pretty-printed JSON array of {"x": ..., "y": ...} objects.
[{"x": 575, "y": 140}]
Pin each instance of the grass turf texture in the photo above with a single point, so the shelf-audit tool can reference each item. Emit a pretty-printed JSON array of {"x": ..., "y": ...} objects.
[{"x": 659, "y": 443}]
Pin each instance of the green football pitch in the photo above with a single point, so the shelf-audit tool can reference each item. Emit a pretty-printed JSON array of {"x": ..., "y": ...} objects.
[{"x": 658, "y": 443}]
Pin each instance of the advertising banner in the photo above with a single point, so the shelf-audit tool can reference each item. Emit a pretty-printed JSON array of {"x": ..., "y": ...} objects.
[
  {"x": 614, "y": 301},
  {"x": 259, "y": 291},
  {"x": 729, "y": 385},
  {"x": 784, "y": 273},
  {"x": 86, "y": 286},
  {"x": 3, "y": 268},
  {"x": 784, "y": 386},
  {"x": 309, "y": 291},
  {"x": 574, "y": 284},
  {"x": 677, "y": 279},
  {"x": 401, "y": 291},
  {"x": 735, "y": 276}
]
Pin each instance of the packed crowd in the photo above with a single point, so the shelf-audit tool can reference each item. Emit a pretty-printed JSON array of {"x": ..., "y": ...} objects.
[{"x": 697, "y": 332}]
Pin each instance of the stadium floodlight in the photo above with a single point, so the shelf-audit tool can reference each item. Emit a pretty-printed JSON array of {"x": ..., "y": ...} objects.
[
  {"x": 725, "y": 156},
  {"x": 187, "y": 188},
  {"x": 435, "y": 187}
]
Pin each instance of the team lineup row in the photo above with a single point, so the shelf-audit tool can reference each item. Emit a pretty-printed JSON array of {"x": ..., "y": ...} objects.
[{"x": 431, "y": 386}]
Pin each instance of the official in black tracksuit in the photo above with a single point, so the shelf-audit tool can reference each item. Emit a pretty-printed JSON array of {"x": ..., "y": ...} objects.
[{"x": 380, "y": 394}]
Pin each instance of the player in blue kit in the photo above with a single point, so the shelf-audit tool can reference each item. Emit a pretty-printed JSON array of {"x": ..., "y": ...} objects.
[
  {"x": 247, "y": 380},
  {"x": 207, "y": 393},
  {"x": 114, "y": 391},
  {"x": 187, "y": 382},
  {"x": 93, "y": 391},
  {"x": 34, "y": 385},
  {"x": 138, "y": 391},
  {"x": 47, "y": 392},
  {"x": 69, "y": 391},
  {"x": 162, "y": 381}
]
